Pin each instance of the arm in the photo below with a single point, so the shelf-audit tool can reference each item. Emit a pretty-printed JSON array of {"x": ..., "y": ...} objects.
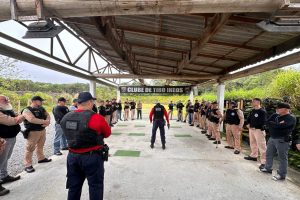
[
  {"x": 98, "y": 123},
  {"x": 8, "y": 120},
  {"x": 241, "y": 117},
  {"x": 166, "y": 116},
  {"x": 151, "y": 115},
  {"x": 32, "y": 119},
  {"x": 2, "y": 145},
  {"x": 284, "y": 124}
]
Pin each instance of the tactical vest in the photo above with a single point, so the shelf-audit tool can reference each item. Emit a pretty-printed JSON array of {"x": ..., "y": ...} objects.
[
  {"x": 159, "y": 112},
  {"x": 77, "y": 132},
  {"x": 213, "y": 118},
  {"x": 9, "y": 131},
  {"x": 39, "y": 113},
  {"x": 232, "y": 117}
]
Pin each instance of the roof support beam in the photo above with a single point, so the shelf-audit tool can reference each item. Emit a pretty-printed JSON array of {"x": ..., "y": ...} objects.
[
  {"x": 158, "y": 76},
  {"x": 75, "y": 8},
  {"x": 217, "y": 23}
]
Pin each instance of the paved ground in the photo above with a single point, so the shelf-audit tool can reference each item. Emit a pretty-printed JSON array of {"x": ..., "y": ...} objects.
[{"x": 191, "y": 168}]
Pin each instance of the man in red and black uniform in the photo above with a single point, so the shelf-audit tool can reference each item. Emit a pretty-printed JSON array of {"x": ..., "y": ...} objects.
[
  {"x": 159, "y": 111},
  {"x": 85, "y": 132}
]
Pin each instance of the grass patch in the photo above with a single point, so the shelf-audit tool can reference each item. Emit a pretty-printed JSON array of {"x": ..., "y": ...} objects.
[
  {"x": 136, "y": 134},
  {"x": 116, "y": 133},
  {"x": 185, "y": 135},
  {"x": 127, "y": 153}
]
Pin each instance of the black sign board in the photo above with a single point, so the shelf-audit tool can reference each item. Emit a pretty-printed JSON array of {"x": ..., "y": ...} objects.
[{"x": 156, "y": 89}]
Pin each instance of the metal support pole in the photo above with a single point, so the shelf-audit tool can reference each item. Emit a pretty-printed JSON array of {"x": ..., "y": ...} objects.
[
  {"x": 221, "y": 96},
  {"x": 93, "y": 88},
  {"x": 192, "y": 94},
  {"x": 118, "y": 94}
]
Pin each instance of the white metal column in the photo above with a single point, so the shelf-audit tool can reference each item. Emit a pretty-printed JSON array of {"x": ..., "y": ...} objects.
[
  {"x": 118, "y": 94},
  {"x": 192, "y": 94},
  {"x": 93, "y": 88},
  {"x": 221, "y": 96}
]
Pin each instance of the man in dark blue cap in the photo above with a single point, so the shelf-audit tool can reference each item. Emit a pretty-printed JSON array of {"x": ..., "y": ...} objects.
[
  {"x": 281, "y": 124},
  {"x": 85, "y": 131}
]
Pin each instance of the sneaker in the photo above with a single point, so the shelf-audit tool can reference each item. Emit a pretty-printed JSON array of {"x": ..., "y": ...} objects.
[
  {"x": 152, "y": 146},
  {"x": 261, "y": 166},
  {"x": 58, "y": 153},
  {"x": 65, "y": 149},
  {"x": 163, "y": 146},
  {"x": 211, "y": 138},
  {"x": 197, "y": 126},
  {"x": 204, "y": 131},
  {"x": 264, "y": 170},
  {"x": 45, "y": 160},
  {"x": 177, "y": 120},
  {"x": 228, "y": 147},
  {"x": 250, "y": 158},
  {"x": 3, "y": 191},
  {"x": 184, "y": 121},
  {"x": 278, "y": 177},
  {"x": 217, "y": 142},
  {"x": 236, "y": 152},
  {"x": 191, "y": 124},
  {"x": 29, "y": 169},
  {"x": 9, "y": 179}
]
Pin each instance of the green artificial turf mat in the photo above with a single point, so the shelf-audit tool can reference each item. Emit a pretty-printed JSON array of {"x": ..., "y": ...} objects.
[
  {"x": 186, "y": 135},
  {"x": 136, "y": 134},
  {"x": 116, "y": 133},
  {"x": 127, "y": 153}
]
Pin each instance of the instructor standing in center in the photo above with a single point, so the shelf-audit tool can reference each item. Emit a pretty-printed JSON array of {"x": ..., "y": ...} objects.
[{"x": 159, "y": 111}]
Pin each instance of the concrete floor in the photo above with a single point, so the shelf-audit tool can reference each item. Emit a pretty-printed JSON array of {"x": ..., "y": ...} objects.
[{"x": 191, "y": 168}]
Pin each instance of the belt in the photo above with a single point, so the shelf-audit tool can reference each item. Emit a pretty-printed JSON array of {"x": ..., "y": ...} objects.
[{"x": 88, "y": 153}]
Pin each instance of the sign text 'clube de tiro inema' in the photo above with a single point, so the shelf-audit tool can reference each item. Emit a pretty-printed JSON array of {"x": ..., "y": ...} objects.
[{"x": 155, "y": 89}]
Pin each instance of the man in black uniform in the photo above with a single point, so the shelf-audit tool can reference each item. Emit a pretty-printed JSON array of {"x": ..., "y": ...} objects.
[
  {"x": 187, "y": 110},
  {"x": 191, "y": 113},
  {"x": 179, "y": 107},
  {"x": 102, "y": 109},
  {"x": 256, "y": 122},
  {"x": 170, "y": 111},
  {"x": 119, "y": 110},
  {"x": 281, "y": 124},
  {"x": 59, "y": 112},
  {"x": 196, "y": 117},
  {"x": 159, "y": 112},
  {"x": 85, "y": 131}
]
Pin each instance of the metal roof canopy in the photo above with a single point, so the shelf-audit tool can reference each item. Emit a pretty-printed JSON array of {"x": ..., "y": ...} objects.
[{"x": 191, "y": 41}]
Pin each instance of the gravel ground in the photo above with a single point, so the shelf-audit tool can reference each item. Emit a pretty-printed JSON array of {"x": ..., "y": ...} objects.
[{"x": 15, "y": 163}]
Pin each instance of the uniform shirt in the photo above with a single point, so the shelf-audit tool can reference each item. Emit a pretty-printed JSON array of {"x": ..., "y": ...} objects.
[
  {"x": 171, "y": 105},
  {"x": 7, "y": 120},
  {"x": 191, "y": 108},
  {"x": 72, "y": 108},
  {"x": 119, "y": 106},
  {"x": 59, "y": 112},
  {"x": 126, "y": 106},
  {"x": 32, "y": 119},
  {"x": 196, "y": 107},
  {"x": 240, "y": 115},
  {"x": 165, "y": 114},
  {"x": 108, "y": 109},
  {"x": 102, "y": 110},
  {"x": 98, "y": 124},
  {"x": 281, "y": 126},
  {"x": 257, "y": 118},
  {"x": 179, "y": 106},
  {"x": 139, "y": 106},
  {"x": 132, "y": 105}
]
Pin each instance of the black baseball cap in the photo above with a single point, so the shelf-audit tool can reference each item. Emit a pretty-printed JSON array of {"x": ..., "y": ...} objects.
[
  {"x": 62, "y": 99},
  {"x": 283, "y": 105},
  {"x": 85, "y": 96},
  {"x": 233, "y": 103},
  {"x": 214, "y": 102},
  {"x": 37, "y": 98}
]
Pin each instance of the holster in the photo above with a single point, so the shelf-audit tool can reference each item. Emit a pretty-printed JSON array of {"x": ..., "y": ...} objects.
[
  {"x": 105, "y": 152},
  {"x": 25, "y": 133}
]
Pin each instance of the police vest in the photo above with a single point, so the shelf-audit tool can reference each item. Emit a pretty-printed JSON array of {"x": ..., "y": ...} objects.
[
  {"x": 9, "y": 131},
  {"x": 232, "y": 117},
  {"x": 39, "y": 113},
  {"x": 159, "y": 112},
  {"x": 77, "y": 132},
  {"x": 213, "y": 118}
]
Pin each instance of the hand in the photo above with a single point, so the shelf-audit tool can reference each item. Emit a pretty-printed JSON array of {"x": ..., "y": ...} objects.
[
  {"x": 168, "y": 126},
  {"x": 298, "y": 146},
  {"x": 2, "y": 145},
  {"x": 46, "y": 123},
  {"x": 20, "y": 119},
  {"x": 248, "y": 126},
  {"x": 240, "y": 128}
]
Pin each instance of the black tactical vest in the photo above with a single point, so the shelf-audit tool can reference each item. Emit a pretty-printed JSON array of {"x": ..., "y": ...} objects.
[
  {"x": 39, "y": 113},
  {"x": 159, "y": 111},
  {"x": 232, "y": 117},
  {"x": 9, "y": 131},
  {"x": 213, "y": 118},
  {"x": 77, "y": 132}
]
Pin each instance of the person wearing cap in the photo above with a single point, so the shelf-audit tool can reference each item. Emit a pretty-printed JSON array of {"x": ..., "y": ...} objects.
[
  {"x": 108, "y": 111},
  {"x": 102, "y": 109},
  {"x": 179, "y": 107},
  {"x": 36, "y": 120},
  {"x": 74, "y": 105},
  {"x": 256, "y": 122},
  {"x": 170, "y": 110},
  {"x": 298, "y": 144},
  {"x": 139, "y": 109},
  {"x": 187, "y": 110},
  {"x": 85, "y": 131},
  {"x": 9, "y": 129},
  {"x": 196, "y": 117},
  {"x": 119, "y": 110},
  {"x": 132, "y": 109},
  {"x": 215, "y": 119},
  {"x": 126, "y": 110},
  {"x": 157, "y": 114},
  {"x": 59, "y": 111},
  {"x": 281, "y": 124},
  {"x": 234, "y": 120}
]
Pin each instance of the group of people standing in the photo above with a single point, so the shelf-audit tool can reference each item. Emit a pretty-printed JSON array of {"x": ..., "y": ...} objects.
[{"x": 208, "y": 117}]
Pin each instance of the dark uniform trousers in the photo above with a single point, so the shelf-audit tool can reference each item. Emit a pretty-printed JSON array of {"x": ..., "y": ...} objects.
[
  {"x": 281, "y": 148},
  {"x": 89, "y": 166},
  {"x": 158, "y": 123}
]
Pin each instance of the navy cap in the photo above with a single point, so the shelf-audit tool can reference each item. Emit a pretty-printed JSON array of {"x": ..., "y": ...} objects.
[
  {"x": 84, "y": 96},
  {"x": 62, "y": 99},
  {"x": 283, "y": 105},
  {"x": 37, "y": 98},
  {"x": 233, "y": 103}
]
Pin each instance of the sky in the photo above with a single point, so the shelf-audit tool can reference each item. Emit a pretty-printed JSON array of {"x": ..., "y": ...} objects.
[{"x": 73, "y": 46}]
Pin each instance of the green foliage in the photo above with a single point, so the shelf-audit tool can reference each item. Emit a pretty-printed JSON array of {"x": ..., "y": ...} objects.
[{"x": 151, "y": 99}]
